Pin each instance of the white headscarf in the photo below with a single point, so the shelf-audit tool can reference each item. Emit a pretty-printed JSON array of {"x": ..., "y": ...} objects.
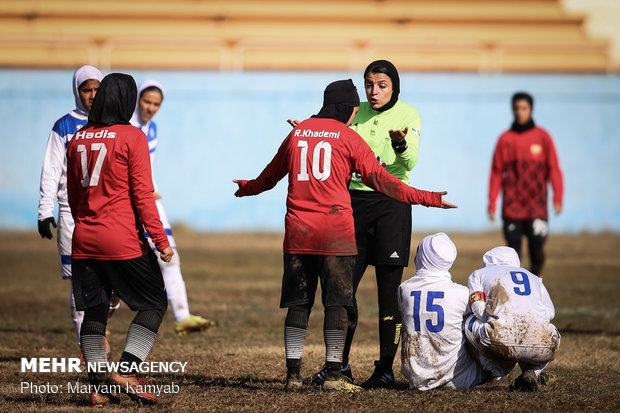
[
  {"x": 501, "y": 256},
  {"x": 436, "y": 254},
  {"x": 135, "y": 119},
  {"x": 80, "y": 76}
]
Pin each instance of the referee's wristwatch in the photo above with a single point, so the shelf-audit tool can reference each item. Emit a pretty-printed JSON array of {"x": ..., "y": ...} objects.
[{"x": 399, "y": 147}]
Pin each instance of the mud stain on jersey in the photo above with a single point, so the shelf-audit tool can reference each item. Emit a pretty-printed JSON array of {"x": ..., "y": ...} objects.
[
  {"x": 406, "y": 346},
  {"x": 342, "y": 244},
  {"x": 412, "y": 344},
  {"x": 524, "y": 339},
  {"x": 298, "y": 232},
  {"x": 501, "y": 351},
  {"x": 555, "y": 342},
  {"x": 334, "y": 210},
  {"x": 497, "y": 296},
  {"x": 434, "y": 343}
]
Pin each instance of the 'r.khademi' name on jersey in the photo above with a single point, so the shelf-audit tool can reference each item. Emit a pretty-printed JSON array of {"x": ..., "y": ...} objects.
[
  {"x": 90, "y": 135},
  {"x": 309, "y": 133}
]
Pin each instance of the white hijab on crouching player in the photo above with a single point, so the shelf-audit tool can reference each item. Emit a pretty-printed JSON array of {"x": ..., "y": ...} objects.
[{"x": 434, "y": 352}]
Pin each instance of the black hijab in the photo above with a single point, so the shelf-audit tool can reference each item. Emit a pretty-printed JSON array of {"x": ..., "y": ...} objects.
[
  {"x": 339, "y": 100},
  {"x": 387, "y": 68},
  {"x": 115, "y": 100},
  {"x": 528, "y": 125}
]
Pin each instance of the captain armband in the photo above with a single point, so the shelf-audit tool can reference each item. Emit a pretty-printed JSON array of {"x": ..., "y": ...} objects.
[
  {"x": 477, "y": 296},
  {"x": 399, "y": 147}
]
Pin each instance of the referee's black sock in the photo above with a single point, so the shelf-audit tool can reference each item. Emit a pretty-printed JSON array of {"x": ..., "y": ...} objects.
[
  {"x": 389, "y": 337},
  {"x": 351, "y": 326},
  {"x": 390, "y": 321}
]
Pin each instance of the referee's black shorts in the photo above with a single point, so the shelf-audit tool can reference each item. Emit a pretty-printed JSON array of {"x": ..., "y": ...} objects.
[
  {"x": 301, "y": 275},
  {"x": 138, "y": 282},
  {"x": 382, "y": 228}
]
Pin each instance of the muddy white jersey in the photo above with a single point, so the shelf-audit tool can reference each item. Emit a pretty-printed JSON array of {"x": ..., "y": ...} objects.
[
  {"x": 433, "y": 343},
  {"x": 510, "y": 298},
  {"x": 510, "y": 292}
]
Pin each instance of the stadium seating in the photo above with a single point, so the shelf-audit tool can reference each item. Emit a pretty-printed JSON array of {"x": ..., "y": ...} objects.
[{"x": 453, "y": 35}]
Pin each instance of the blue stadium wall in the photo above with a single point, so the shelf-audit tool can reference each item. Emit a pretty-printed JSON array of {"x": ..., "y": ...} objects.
[{"x": 216, "y": 126}]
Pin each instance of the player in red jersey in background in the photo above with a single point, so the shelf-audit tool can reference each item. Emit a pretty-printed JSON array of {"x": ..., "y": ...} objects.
[
  {"x": 524, "y": 160},
  {"x": 319, "y": 155},
  {"x": 110, "y": 192}
]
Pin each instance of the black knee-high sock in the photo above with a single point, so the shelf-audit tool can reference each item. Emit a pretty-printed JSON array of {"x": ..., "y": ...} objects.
[
  {"x": 334, "y": 327},
  {"x": 295, "y": 327},
  {"x": 141, "y": 337},
  {"x": 390, "y": 322},
  {"x": 92, "y": 341}
]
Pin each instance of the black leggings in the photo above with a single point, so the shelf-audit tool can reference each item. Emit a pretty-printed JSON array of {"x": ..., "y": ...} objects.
[
  {"x": 536, "y": 233},
  {"x": 388, "y": 280}
]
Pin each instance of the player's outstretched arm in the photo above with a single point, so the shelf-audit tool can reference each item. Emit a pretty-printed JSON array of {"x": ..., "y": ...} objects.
[
  {"x": 377, "y": 178},
  {"x": 240, "y": 184},
  {"x": 271, "y": 175},
  {"x": 445, "y": 204}
]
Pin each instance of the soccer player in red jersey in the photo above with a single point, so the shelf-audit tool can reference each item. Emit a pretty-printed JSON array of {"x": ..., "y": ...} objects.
[
  {"x": 110, "y": 192},
  {"x": 319, "y": 155},
  {"x": 524, "y": 161}
]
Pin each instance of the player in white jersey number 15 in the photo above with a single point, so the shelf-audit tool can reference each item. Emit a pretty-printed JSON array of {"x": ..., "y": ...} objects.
[{"x": 434, "y": 351}]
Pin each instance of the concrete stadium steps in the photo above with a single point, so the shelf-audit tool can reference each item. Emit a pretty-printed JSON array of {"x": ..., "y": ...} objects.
[
  {"x": 361, "y": 10},
  {"x": 527, "y": 35}
]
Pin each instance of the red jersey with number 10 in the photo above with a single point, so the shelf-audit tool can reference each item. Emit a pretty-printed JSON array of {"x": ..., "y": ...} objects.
[
  {"x": 110, "y": 192},
  {"x": 320, "y": 155}
]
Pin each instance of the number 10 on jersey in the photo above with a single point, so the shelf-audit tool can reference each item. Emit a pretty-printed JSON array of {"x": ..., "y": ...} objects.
[{"x": 320, "y": 171}]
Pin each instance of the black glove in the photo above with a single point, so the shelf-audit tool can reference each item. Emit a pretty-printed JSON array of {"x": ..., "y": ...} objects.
[
  {"x": 399, "y": 147},
  {"x": 44, "y": 227}
]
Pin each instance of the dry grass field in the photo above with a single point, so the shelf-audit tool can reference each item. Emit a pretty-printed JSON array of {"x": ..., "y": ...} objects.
[{"x": 239, "y": 364}]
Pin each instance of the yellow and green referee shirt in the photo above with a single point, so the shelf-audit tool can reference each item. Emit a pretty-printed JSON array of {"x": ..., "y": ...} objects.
[{"x": 374, "y": 127}]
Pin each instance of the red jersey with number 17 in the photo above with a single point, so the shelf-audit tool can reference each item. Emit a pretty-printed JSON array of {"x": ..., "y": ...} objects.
[
  {"x": 110, "y": 192},
  {"x": 320, "y": 155}
]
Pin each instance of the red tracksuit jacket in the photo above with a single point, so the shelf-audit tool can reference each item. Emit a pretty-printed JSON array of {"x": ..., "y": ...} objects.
[{"x": 522, "y": 165}]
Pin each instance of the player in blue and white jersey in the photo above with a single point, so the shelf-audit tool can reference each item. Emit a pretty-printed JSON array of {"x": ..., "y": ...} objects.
[
  {"x": 53, "y": 184},
  {"x": 511, "y": 320},
  {"x": 434, "y": 352},
  {"x": 150, "y": 97}
]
